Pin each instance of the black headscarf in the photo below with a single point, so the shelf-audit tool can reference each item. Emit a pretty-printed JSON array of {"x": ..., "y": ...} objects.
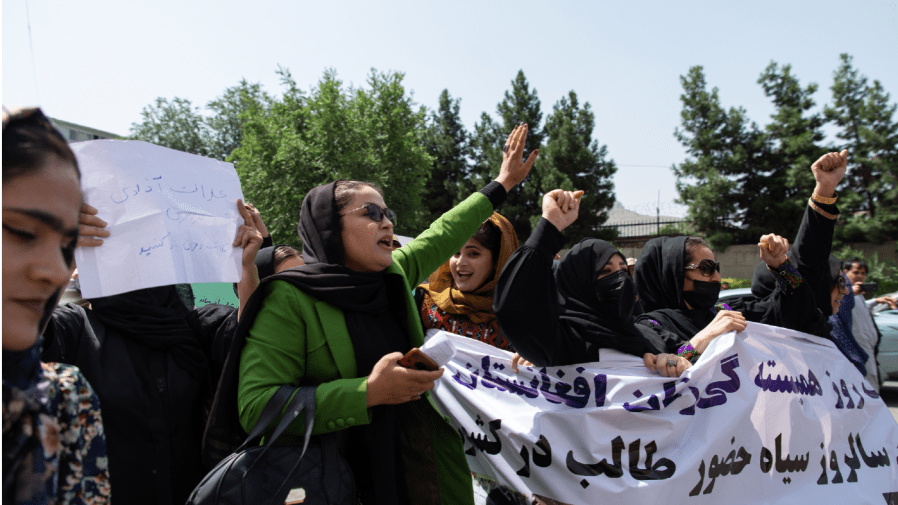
[
  {"x": 660, "y": 274},
  {"x": 599, "y": 311},
  {"x": 659, "y": 282},
  {"x": 158, "y": 319}
]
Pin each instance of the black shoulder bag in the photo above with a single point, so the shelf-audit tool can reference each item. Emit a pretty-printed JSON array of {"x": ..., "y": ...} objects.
[{"x": 283, "y": 474}]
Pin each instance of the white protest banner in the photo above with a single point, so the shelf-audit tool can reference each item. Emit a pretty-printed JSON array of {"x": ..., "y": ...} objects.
[
  {"x": 767, "y": 415},
  {"x": 172, "y": 217}
]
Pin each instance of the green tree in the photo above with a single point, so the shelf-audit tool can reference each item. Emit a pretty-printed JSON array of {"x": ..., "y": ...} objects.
[
  {"x": 176, "y": 124},
  {"x": 775, "y": 202},
  {"x": 447, "y": 142},
  {"x": 300, "y": 140},
  {"x": 721, "y": 145},
  {"x": 520, "y": 105},
  {"x": 868, "y": 130},
  {"x": 226, "y": 123},
  {"x": 573, "y": 159}
]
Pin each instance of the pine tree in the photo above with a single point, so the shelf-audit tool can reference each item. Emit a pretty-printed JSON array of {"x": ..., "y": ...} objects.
[
  {"x": 573, "y": 159},
  {"x": 447, "y": 142},
  {"x": 869, "y": 131},
  {"x": 520, "y": 105},
  {"x": 794, "y": 141},
  {"x": 721, "y": 146}
]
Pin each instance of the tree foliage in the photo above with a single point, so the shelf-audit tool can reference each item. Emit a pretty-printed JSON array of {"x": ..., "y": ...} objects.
[
  {"x": 446, "y": 140},
  {"x": 573, "y": 159},
  {"x": 301, "y": 140},
  {"x": 741, "y": 181},
  {"x": 519, "y": 105},
  {"x": 176, "y": 124},
  {"x": 867, "y": 128}
]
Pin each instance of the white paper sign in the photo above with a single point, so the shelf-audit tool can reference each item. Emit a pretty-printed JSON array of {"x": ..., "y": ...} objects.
[
  {"x": 172, "y": 217},
  {"x": 767, "y": 415}
]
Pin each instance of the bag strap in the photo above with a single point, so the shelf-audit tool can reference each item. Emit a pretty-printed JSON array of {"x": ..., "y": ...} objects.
[
  {"x": 304, "y": 399},
  {"x": 269, "y": 413}
]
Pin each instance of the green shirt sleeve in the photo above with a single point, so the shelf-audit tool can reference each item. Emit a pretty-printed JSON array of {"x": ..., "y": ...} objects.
[
  {"x": 276, "y": 353},
  {"x": 445, "y": 237}
]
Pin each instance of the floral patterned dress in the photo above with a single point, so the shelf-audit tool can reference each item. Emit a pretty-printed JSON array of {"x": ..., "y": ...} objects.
[{"x": 54, "y": 449}]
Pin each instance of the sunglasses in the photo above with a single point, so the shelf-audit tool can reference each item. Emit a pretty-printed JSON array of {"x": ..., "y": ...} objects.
[
  {"x": 705, "y": 267},
  {"x": 841, "y": 283},
  {"x": 377, "y": 213}
]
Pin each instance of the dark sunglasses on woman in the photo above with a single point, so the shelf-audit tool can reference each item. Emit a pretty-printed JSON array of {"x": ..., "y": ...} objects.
[
  {"x": 377, "y": 213},
  {"x": 705, "y": 267}
]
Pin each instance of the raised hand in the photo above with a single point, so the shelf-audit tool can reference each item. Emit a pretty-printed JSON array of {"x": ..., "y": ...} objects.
[
  {"x": 829, "y": 171},
  {"x": 561, "y": 208},
  {"x": 257, "y": 219},
  {"x": 391, "y": 384},
  {"x": 773, "y": 249},
  {"x": 514, "y": 170},
  {"x": 90, "y": 227},
  {"x": 248, "y": 236}
]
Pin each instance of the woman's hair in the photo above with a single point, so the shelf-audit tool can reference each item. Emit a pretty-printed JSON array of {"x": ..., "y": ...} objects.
[
  {"x": 345, "y": 190},
  {"x": 692, "y": 244},
  {"x": 29, "y": 142},
  {"x": 490, "y": 237},
  {"x": 283, "y": 253}
]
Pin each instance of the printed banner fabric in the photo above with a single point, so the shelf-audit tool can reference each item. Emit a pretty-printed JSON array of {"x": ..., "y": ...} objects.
[{"x": 766, "y": 415}]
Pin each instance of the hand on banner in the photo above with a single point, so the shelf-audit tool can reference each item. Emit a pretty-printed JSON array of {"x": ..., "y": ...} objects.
[
  {"x": 248, "y": 235},
  {"x": 516, "y": 360},
  {"x": 666, "y": 365},
  {"x": 829, "y": 171},
  {"x": 514, "y": 170},
  {"x": 773, "y": 249},
  {"x": 724, "y": 322},
  {"x": 90, "y": 227},
  {"x": 392, "y": 384},
  {"x": 561, "y": 208}
]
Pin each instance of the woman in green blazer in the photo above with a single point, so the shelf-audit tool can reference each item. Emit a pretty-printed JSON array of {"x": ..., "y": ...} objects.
[{"x": 342, "y": 321}]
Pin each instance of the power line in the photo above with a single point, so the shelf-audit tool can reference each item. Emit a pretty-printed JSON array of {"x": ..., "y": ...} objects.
[{"x": 31, "y": 46}]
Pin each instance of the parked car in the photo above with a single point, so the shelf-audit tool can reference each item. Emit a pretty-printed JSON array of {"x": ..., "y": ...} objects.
[{"x": 734, "y": 292}]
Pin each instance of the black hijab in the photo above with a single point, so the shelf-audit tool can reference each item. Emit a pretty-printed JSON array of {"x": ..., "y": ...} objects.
[
  {"x": 599, "y": 311},
  {"x": 158, "y": 319},
  {"x": 659, "y": 283}
]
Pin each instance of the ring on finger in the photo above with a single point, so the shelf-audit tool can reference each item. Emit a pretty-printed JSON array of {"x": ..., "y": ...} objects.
[
  {"x": 505, "y": 148},
  {"x": 671, "y": 362}
]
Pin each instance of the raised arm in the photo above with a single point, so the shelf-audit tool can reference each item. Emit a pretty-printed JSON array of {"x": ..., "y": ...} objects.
[
  {"x": 420, "y": 257},
  {"x": 813, "y": 242},
  {"x": 526, "y": 298}
]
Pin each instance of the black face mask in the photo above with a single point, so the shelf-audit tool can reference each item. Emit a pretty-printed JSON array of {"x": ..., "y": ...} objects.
[
  {"x": 704, "y": 296},
  {"x": 617, "y": 295}
]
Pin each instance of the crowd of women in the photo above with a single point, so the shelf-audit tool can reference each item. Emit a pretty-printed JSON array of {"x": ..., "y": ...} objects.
[{"x": 137, "y": 395}]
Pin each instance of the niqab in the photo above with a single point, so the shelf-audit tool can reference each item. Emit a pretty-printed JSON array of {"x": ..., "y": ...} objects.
[{"x": 599, "y": 311}]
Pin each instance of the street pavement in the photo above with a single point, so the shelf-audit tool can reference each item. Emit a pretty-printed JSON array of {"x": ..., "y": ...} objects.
[{"x": 889, "y": 393}]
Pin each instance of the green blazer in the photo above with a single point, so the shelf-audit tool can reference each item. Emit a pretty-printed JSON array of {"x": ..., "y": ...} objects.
[{"x": 299, "y": 340}]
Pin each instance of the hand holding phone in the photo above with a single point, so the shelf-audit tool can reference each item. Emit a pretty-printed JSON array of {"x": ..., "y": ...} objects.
[
  {"x": 869, "y": 287},
  {"x": 417, "y": 360}
]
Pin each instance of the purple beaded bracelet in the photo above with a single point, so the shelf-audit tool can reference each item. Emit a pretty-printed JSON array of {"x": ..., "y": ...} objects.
[{"x": 687, "y": 351}]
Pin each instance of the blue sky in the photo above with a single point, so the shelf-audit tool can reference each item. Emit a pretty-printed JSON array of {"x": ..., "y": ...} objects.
[{"x": 98, "y": 63}]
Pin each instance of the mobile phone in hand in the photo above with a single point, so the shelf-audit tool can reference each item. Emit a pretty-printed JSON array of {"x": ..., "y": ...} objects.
[
  {"x": 417, "y": 360},
  {"x": 869, "y": 287}
]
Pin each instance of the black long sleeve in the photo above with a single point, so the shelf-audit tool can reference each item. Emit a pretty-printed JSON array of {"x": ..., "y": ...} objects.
[
  {"x": 526, "y": 302},
  {"x": 811, "y": 250}
]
